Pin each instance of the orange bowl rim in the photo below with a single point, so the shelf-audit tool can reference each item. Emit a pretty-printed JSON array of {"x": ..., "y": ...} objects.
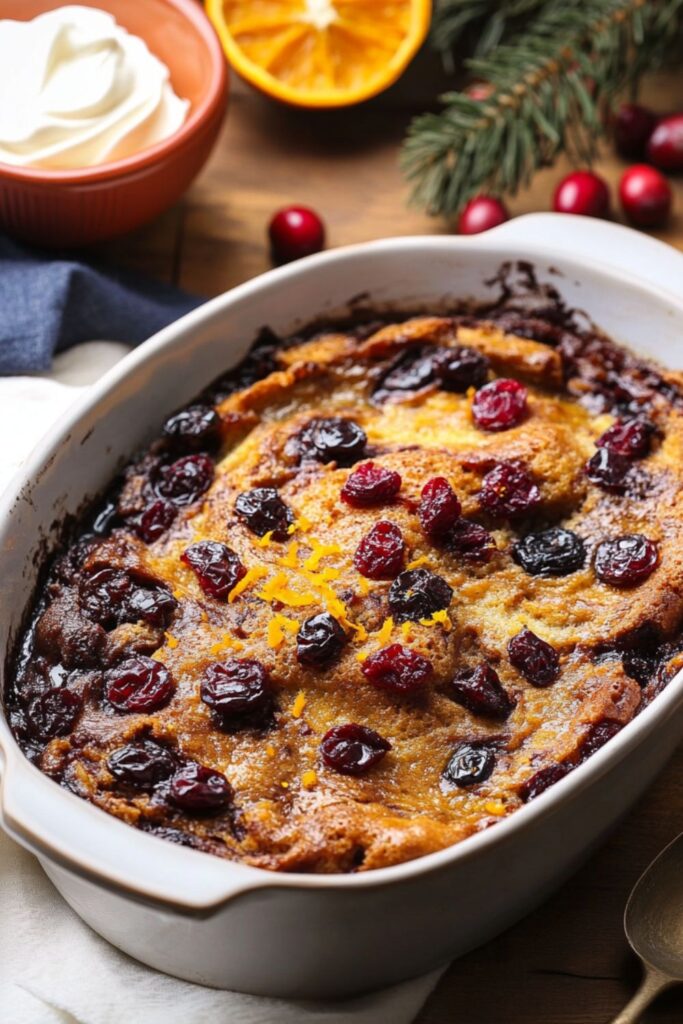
[{"x": 203, "y": 113}]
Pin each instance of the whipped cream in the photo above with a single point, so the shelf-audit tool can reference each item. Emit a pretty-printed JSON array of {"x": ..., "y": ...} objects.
[{"x": 77, "y": 89}]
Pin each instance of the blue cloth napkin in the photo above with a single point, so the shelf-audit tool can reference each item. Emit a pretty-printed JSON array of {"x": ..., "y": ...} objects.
[{"x": 49, "y": 303}]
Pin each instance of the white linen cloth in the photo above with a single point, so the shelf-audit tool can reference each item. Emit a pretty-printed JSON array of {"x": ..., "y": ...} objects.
[{"x": 53, "y": 968}]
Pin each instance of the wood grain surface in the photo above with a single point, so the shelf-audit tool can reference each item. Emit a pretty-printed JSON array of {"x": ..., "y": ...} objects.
[{"x": 567, "y": 963}]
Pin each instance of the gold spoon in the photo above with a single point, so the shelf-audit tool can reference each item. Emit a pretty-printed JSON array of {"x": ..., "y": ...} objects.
[{"x": 653, "y": 922}]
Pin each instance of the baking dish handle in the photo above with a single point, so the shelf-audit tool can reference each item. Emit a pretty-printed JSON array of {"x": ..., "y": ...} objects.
[{"x": 653, "y": 262}]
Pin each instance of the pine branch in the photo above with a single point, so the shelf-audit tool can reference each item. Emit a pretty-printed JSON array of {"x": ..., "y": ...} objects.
[
  {"x": 482, "y": 23},
  {"x": 551, "y": 88}
]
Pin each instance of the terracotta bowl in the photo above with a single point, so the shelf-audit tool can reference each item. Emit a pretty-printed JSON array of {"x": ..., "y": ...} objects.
[{"x": 76, "y": 207}]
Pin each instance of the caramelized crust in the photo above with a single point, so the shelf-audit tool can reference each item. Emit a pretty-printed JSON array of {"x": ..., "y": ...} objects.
[{"x": 289, "y": 810}]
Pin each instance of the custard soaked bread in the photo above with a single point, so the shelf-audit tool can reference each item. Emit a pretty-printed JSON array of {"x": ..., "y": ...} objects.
[{"x": 370, "y": 594}]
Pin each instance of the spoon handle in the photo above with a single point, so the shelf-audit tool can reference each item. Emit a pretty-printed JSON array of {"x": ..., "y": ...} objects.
[{"x": 652, "y": 984}]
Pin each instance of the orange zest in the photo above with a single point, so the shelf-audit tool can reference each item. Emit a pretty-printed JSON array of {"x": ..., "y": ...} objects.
[{"x": 320, "y": 53}]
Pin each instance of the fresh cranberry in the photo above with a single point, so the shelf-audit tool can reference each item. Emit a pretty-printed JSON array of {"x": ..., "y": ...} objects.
[
  {"x": 295, "y": 231},
  {"x": 534, "y": 658},
  {"x": 582, "y": 192},
  {"x": 470, "y": 542},
  {"x": 479, "y": 91},
  {"x": 397, "y": 669},
  {"x": 460, "y": 368},
  {"x": 439, "y": 507},
  {"x": 139, "y": 684},
  {"x": 665, "y": 146},
  {"x": 236, "y": 687},
  {"x": 608, "y": 470},
  {"x": 411, "y": 371},
  {"x": 418, "y": 593},
  {"x": 508, "y": 490},
  {"x": 186, "y": 479},
  {"x": 481, "y": 692},
  {"x": 552, "y": 552},
  {"x": 370, "y": 484},
  {"x": 154, "y": 520},
  {"x": 379, "y": 556},
  {"x": 142, "y": 764},
  {"x": 53, "y": 713},
  {"x": 263, "y": 511},
  {"x": 631, "y": 438},
  {"x": 626, "y": 561},
  {"x": 320, "y": 640},
  {"x": 645, "y": 196},
  {"x": 469, "y": 764},
  {"x": 113, "y": 596},
  {"x": 500, "y": 405},
  {"x": 633, "y": 126},
  {"x": 542, "y": 780},
  {"x": 329, "y": 440},
  {"x": 197, "y": 788},
  {"x": 216, "y": 566},
  {"x": 480, "y": 214},
  {"x": 353, "y": 749},
  {"x": 197, "y": 428}
]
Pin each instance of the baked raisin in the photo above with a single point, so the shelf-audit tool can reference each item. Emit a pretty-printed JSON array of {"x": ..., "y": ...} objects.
[
  {"x": 186, "y": 479},
  {"x": 320, "y": 640},
  {"x": 553, "y": 552},
  {"x": 139, "y": 684},
  {"x": 216, "y": 566},
  {"x": 397, "y": 669},
  {"x": 53, "y": 713},
  {"x": 197, "y": 428},
  {"x": 263, "y": 511},
  {"x": 154, "y": 520},
  {"x": 469, "y": 764},
  {"x": 329, "y": 440},
  {"x": 460, "y": 368},
  {"x": 609, "y": 470},
  {"x": 114, "y": 596},
  {"x": 626, "y": 561},
  {"x": 196, "y": 788},
  {"x": 380, "y": 554},
  {"x": 418, "y": 593},
  {"x": 410, "y": 372},
  {"x": 470, "y": 542},
  {"x": 481, "y": 692},
  {"x": 142, "y": 764},
  {"x": 236, "y": 687},
  {"x": 534, "y": 658},
  {"x": 353, "y": 749}
]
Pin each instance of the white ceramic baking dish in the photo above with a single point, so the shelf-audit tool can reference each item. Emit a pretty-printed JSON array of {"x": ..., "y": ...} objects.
[{"x": 229, "y": 925}]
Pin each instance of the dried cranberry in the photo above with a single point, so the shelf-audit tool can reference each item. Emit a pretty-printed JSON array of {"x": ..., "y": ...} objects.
[
  {"x": 418, "y": 593},
  {"x": 508, "y": 490},
  {"x": 460, "y": 368},
  {"x": 352, "y": 749},
  {"x": 628, "y": 437},
  {"x": 411, "y": 371},
  {"x": 626, "y": 561},
  {"x": 379, "y": 556},
  {"x": 216, "y": 566},
  {"x": 469, "y": 764},
  {"x": 542, "y": 780},
  {"x": 139, "y": 684},
  {"x": 154, "y": 520},
  {"x": 329, "y": 440},
  {"x": 480, "y": 691},
  {"x": 113, "y": 596},
  {"x": 470, "y": 542},
  {"x": 534, "y": 658},
  {"x": 397, "y": 669},
  {"x": 142, "y": 764},
  {"x": 319, "y": 640},
  {"x": 197, "y": 428},
  {"x": 500, "y": 405},
  {"x": 197, "y": 788},
  {"x": 186, "y": 479},
  {"x": 263, "y": 511},
  {"x": 369, "y": 485},
  {"x": 53, "y": 713},
  {"x": 609, "y": 470},
  {"x": 598, "y": 734},
  {"x": 553, "y": 552},
  {"x": 439, "y": 506},
  {"x": 236, "y": 687}
]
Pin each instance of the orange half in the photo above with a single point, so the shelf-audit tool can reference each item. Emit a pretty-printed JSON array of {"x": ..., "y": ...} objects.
[{"x": 320, "y": 53}]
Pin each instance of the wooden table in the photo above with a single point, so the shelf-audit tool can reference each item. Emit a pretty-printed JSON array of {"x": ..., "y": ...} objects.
[{"x": 568, "y": 962}]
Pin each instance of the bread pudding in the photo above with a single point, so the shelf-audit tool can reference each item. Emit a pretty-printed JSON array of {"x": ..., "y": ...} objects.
[{"x": 374, "y": 590}]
